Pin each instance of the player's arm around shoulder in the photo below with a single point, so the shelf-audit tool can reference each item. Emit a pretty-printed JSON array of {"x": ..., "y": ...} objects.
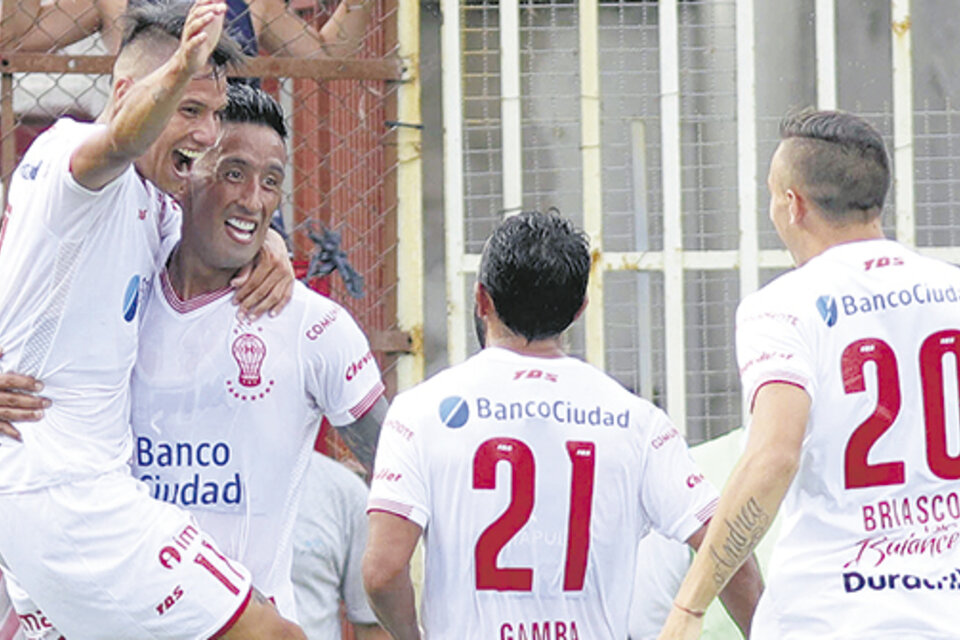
[{"x": 142, "y": 108}]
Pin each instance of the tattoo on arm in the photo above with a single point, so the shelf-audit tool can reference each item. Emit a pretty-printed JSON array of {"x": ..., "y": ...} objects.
[
  {"x": 362, "y": 436},
  {"x": 743, "y": 533}
]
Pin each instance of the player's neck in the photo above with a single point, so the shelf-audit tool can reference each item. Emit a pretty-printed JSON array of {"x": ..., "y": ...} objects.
[
  {"x": 829, "y": 236},
  {"x": 190, "y": 277},
  {"x": 500, "y": 336}
]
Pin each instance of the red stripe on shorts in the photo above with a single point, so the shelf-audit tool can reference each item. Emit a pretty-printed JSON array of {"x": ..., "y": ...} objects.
[{"x": 9, "y": 626}]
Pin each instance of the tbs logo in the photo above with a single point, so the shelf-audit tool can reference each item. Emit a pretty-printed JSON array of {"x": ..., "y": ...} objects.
[
  {"x": 827, "y": 306},
  {"x": 454, "y": 412}
]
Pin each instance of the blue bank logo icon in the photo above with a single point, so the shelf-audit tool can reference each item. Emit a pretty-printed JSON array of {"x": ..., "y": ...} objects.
[
  {"x": 454, "y": 412},
  {"x": 827, "y": 306},
  {"x": 30, "y": 171},
  {"x": 130, "y": 299}
]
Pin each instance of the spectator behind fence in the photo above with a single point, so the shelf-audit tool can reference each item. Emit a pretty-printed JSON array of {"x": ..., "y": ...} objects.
[
  {"x": 268, "y": 25},
  {"x": 328, "y": 542},
  {"x": 848, "y": 365}
]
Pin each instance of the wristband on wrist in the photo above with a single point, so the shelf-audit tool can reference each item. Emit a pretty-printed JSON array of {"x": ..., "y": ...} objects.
[{"x": 689, "y": 612}]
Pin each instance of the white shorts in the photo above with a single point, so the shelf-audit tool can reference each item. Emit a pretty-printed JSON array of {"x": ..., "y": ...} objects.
[{"x": 100, "y": 558}]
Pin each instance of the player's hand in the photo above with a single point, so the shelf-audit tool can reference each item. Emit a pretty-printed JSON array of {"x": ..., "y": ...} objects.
[
  {"x": 201, "y": 33},
  {"x": 19, "y": 402},
  {"x": 681, "y": 626},
  {"x": 267, "y": 286}
]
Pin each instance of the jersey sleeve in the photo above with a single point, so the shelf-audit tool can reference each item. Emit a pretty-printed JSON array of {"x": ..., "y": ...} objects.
[
  {"x": 342, "y": 374},
  {"x": 399, "y": 482},
  {"x": 675, "y": 495},
  {"x": 771, "y": 346},
  {"x": 70, "y": 209}
]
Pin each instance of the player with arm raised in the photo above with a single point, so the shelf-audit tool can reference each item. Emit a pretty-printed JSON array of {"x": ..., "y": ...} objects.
[
  {"x": 530, "y": 474},
  {"x": 849, "y": 367},
  {"x": 88, "y": 218}
]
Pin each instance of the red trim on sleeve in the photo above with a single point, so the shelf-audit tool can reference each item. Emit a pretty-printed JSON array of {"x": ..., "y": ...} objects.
[
  {"x": 367, "y": 402},
  {"x": 705, "y": 513},
  {"x": 792, "y": 383},
  {"x": 236, "y": 616},
  {"x": 389, "y": 513},
  {"x": 390, "y": 506}
]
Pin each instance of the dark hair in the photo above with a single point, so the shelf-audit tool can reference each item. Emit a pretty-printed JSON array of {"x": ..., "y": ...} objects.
[
  {"x": 535, "y": 267},
  {"x": 840, "y": 159},
  {"x": 167, "y": 19},
  {"x": 256, "y": 106}
]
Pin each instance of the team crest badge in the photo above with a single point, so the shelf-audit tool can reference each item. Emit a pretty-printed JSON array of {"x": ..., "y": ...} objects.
[{"x": 249, "y": 351}]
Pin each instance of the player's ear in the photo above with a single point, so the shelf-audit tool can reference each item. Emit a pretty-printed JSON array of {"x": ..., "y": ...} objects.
[
  {"x": 483, "y": 300},
  {"x": 120, "y": 88},
  {"x": 796, "y": 206}
]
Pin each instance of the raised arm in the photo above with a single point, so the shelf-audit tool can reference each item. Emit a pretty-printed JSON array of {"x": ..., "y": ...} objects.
[
  {"x": 16, "y": 18},
  {"x": 749, "y": 502},
  {"x": 281, "y": 32},
  {"x": 143, "y": 107}
]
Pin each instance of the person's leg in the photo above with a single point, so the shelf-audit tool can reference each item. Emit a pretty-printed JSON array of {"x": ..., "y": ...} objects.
[{"x": 101, "y": 559}]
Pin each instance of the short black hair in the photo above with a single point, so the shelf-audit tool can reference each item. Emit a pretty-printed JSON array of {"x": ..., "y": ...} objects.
[
  {"x": 841, "y": 160},
  {"x": 253, "y": 105},
  {"x": 535, "y": 267},
  {"x": 167, "y": 18}
]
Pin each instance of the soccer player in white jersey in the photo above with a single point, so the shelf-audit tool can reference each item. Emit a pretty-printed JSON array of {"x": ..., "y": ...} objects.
[
  {"x": 849, "y": 367},
  {"x": 87, "y": 221},
  {"x": 226, "y": 411},
  {"x": 530, "y": 474}
]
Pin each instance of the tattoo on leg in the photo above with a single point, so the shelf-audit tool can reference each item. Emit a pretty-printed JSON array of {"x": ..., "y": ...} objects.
[{"x": 743, "y": 533}]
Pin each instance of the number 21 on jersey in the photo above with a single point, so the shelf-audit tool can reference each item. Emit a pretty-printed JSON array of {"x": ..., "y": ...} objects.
[{"x": 518, "y": 455}]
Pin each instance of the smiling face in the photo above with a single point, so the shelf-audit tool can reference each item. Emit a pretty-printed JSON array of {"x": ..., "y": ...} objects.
[
  {"x": 192, "y": 130},
  {"x": 234, "y": 190}
]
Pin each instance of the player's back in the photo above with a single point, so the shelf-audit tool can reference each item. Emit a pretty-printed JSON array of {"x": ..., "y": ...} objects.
[
  {"x": 535, "y": 478},
  {"x": 872, "y": 331},
  {"x": 74, "y": 263}
]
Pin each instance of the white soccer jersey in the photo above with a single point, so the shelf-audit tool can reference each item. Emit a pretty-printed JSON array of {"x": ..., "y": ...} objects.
[
  {"x": 534, "y": 479},
  {"x": 225, "y": 414},
  {"x": 75, "y": 264},
  {"x": 872, "y": 332}
]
